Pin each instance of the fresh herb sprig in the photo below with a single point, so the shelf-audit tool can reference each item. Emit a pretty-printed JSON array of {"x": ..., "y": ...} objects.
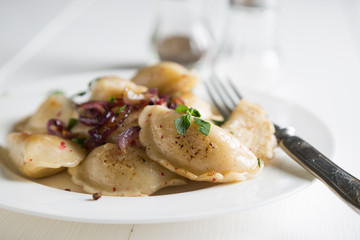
[
  {"x": 90, "y": 87},
  {"x": 56, "y": 92},
  {"x": 80, "y": 141},
  {"x": 111, "y": 99},
  {"x": 72, "y": 123},
  {"x": 183, "y": 123},
  {"x": 121, "y": 109}
]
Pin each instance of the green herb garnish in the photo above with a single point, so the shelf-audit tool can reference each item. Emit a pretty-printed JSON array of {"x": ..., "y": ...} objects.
[
  {"x": 56, "y": 92},
  {"x": 79, "y": 141},
  {"x": 204, "y": 127},
  {"x": 181, "y": 108},
  {"x": 259, "y": 162},
  {"x": 72, "y": 123},
  {"x": 91, "y": 84},
  {"x": 111, "y": 99},
  {"x": 90, "y": 87},
  {"x": 183, "y": 123},
  {"x": 218, "y": 123},
  {"x": 121, "y": 109}
]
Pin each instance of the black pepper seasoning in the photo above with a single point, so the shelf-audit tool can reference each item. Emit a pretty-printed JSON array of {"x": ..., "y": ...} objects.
[{"x": 96, "y": 196}]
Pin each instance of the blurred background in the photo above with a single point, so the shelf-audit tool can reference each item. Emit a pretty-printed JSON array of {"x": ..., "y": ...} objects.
[{"x": 38, "y": 36}]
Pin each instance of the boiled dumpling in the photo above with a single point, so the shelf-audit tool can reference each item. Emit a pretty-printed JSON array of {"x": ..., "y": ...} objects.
[
  {"x": 249, "y": 124},
  {"x": 107, "y": 87},
  {"x": 109, "y": 171},
  {"x": 55, "y": 106},
  {"x": 167, "y": 77},
  {"x": 41, "y": 155},
  {"x": 219, "y": 157},
  {"x": 206, "y": 110},
  {"x": 129, "y": 122}
]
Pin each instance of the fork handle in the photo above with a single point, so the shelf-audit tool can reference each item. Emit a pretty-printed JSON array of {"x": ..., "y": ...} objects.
[{"x": 340, "y": 181}]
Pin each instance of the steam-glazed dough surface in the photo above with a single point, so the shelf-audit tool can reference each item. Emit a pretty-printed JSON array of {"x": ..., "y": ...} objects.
[
  {"x": 250, "y": 125},
  {"x": 41, "y": 155},
  {"x": 167, "y": 77},
  {"x": 219, "y": 157},
  {"x": 107, "y": 87},
  {"x": 109, "y": 171},
  {"x": 55, "y": 106}
]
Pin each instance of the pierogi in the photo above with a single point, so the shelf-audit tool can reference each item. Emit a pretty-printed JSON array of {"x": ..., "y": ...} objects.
[
  {"x": 42, "y": 155},
  {"x": 248, "y": 123},
  {"x": 125, "y": 141},
  {"x": 167, "y": 77},
  {"x": 55, "y": 106},
  {"x": 206, "y": 110},
  {"x": 109, "y": 171},
  {"x": 112, "y": 86},
  {"x": 219, "y": 157}
]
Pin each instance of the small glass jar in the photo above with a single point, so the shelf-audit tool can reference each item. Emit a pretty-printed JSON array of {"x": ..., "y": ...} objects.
[
  {"x": 249, "y": 53},
  {"x": 181, "y": 33}
]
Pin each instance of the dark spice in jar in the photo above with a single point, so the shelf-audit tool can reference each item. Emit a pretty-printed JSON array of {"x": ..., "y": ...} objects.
[{"x": 180, "y": 49}]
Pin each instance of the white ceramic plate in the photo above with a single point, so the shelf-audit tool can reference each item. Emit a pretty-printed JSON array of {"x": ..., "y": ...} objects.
[{"x": 47, "y": 197}]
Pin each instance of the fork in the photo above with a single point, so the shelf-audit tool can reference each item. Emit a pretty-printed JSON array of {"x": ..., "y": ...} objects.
[{"x": 225, "y": 97}]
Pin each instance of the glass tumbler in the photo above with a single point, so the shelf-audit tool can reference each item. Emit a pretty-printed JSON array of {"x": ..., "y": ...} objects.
[{"x": 181, "y": 33}]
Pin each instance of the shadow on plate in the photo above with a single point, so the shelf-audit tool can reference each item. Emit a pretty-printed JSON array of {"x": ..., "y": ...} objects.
[
  {"x": 8, "y": 170},
  {"x": 282, "y": 162}
]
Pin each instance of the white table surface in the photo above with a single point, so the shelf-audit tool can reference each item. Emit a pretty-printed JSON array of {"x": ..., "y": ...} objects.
[{"x": 320, "y": 45}]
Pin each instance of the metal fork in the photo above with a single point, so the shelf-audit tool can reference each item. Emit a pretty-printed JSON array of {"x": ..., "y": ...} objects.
[{"x": 225, "y": 97}]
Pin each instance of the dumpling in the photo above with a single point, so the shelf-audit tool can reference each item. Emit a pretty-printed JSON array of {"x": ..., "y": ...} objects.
[
  {"x": 42, "y": 155},
  {"x": 107, "y": 87},
  {"x": 219, "y": 157},
  {"x": 109, "y": 171},
  {"x": 55, "y": 106},
  {"x": 206, "y": 110},
  {"x": 130, "y": 121},
  {"x": 249, "y": 124},
  {"x": 167, "y": 77}
]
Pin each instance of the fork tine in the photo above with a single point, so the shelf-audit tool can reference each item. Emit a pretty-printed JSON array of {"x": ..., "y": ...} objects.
[
  {"x": 218, "y": 91},
  {"x": 226, "y": 92},
  {"x": 235, "y": 90},
  {"x": 223, "y": 93},
  {"x": 212, "y": 96}
]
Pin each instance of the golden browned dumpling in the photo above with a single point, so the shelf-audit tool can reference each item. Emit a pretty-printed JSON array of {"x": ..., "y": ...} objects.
[
  {"x": 109, "y": 171},
  {"x": 167, "y": 77},
  {"x": 41, "y": 155},
  {"x": 56, "y": 106},
  {"x": 250, "y": 125},
  {"x": 112, "y": 86},
  {"x": 219, "y": 157}
]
